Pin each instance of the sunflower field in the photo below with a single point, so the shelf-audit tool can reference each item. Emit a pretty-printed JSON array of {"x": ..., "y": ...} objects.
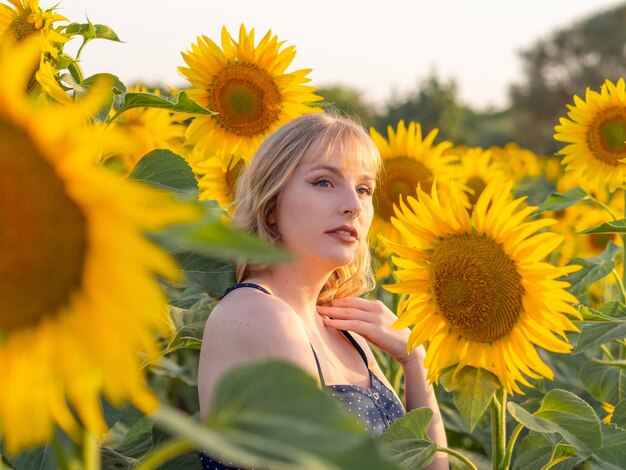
[{"x": 115, "y": 245}]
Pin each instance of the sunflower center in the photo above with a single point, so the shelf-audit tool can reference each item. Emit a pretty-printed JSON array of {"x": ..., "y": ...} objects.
[
  {"x": 20, "y": 27},
  {"x": 247, "y": 99},
  {"x": 607, "y": 137},
  {"x": 43, "y": 236},
  {"x": 401, "y": 176},
  {"x": 476, "y": 184},
  {"x": 476, "y": 287}
]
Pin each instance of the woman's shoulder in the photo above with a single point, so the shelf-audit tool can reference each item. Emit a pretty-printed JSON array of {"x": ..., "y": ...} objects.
[{"x": 260, "y": 320}]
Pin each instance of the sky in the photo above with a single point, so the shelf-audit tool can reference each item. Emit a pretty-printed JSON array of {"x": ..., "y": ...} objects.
[{"x": 381, "y": 48}]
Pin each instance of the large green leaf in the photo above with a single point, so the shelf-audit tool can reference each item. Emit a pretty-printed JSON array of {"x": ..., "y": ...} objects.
[
  {"x": 473, "y": 389},
  {"x": 407, "y": 441},
  {"x": 612, "y": 454},
  {"x": 214, "y": 276},
  {"x": 557, "y": 201},
  {"x": 272, "y": 414},
  {"x": 593, "y": 269},
  {"x": 180, "y": 103},
  {"x": 594, "y": 334},
  {"x": 615, "y": 226},
  {"x": 604, "y": 381},
  {"x": 537, "y": 450},
  {"x": 214, "y": 239},
  {"x": 564, "y": 413},
  {"x": 164, "y": 169}
]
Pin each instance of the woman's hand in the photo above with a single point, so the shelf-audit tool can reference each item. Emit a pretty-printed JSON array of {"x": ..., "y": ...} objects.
[{"x": 370, "y": 319}]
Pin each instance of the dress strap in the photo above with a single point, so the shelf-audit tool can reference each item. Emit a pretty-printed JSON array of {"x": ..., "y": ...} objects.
[
  {"x": 357, "y": 346},
  {"x": 319, "y": 369},
  {"x": 246, "y": 284}
]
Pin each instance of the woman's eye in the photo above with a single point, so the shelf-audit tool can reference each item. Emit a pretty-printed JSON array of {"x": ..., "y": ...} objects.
[
  {"x": 323, "y": 183},
  {"x": 365, "y": 191}
]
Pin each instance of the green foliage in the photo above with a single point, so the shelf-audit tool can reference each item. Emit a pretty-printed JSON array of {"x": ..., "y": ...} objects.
[
  {"x": 615, "y": 226},
  {"x": 164, "y": 169},
  {"x": 593, "y": 269},
  {"x": 180, "y": 103},
  {"x": 407, "y": 440},
  {"x": 284, "y": 421},
  {"x": 537, "y": 450},
  {"x": 566, "y": 414},
  {"x": 473, "y": 390},
  {"x": 609, "y": 324},
  {"x": 557, "y": 201}
]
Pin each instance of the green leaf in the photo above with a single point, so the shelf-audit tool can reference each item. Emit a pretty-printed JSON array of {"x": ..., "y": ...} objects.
[
  {"x": 178, "y": 103},
  {"x": 564, "y": 413},
  {"x": 164, "y": 169},
  {"x": 615, "y": 226},
  {"x": 472, "y": 389},
  {"x": 91, "y": 31},
  {"x": 594, "y": 334},
  {"x": 612, "y": 454},
  {"x": 593, "y": 269},
  {"x": 283, "y": 421},
  {"x": 214, "y": 276},
  {"x": 604, "y": 381},
  {"x": 619, "y": 415},
  {"x": 557, "y": 201},
  {"x": 214, "y": 239},
  {"x": 535, "y": 451},
  {"x": 407, "y": 441},
  {"x": 115, "y": 88}
]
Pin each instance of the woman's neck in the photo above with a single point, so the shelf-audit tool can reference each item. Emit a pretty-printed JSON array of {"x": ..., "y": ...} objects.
[{"x": 298, "y": 286}]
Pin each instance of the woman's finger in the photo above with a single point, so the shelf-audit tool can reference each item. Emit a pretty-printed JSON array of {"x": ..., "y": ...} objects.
[{"x": 341, "y": 312}]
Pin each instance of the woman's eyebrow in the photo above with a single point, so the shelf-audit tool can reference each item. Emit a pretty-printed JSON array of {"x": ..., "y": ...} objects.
[{"x": 337, "y": 171}]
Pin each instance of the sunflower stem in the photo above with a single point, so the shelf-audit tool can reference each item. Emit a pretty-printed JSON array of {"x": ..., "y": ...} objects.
[
  {"x": 165, "y": 453},
  {"x": 607, "y": 352},
  {"x": 509, "y": 448},
  {"x": 498, "y": 428},
  {"x": 459, "y": 456},
  {"x": 91, "y": 452}
]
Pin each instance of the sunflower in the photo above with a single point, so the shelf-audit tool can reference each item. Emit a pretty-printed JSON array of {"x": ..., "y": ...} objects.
[
  {"x": 77, "y": 275},
  {"x": 24, "y": 20},
  {"x": 218, "y": 183},
  {"x": 596, "y": 134},
  {"x": 478, "y": 168},
  {"x": 609, "y": 409},
  {"x": 409, "y": 161},
  {"x": 148, "y": 129},
  {"x": 520, "y": 163},
  {"x": 478, "y": 293},
  {"x": 248, "y": 88}
]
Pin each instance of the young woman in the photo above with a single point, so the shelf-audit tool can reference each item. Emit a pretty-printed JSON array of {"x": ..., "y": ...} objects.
[{"x": 309, "y": 189}]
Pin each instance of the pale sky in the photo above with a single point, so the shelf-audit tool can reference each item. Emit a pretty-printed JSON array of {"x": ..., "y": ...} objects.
[{"x": 378, "y": 47}]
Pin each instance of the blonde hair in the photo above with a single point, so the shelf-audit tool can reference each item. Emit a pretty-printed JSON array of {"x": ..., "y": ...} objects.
[{"x": 309, "y": 137}]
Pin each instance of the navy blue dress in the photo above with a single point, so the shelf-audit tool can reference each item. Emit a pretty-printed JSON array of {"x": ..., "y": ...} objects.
[{"x": 376, "y": 407}]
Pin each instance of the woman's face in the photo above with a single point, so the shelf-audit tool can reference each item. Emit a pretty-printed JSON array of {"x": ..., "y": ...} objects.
[{"x": 324, "y": 211}]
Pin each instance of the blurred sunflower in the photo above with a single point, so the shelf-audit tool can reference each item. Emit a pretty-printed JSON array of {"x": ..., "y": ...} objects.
[
  {"x": 148, "y": 129},
  {"x": 248, "y": 88},
  {"x": 479, "y": 294},
  {"x": 77, "y": 275},
  {"x": 520, "y": 163},
  {"x": 218, "y": 183},
  {"x": 25, "y": 19},
  {"x": 409, "y": 161},
  {"x": 479, "y": 168},
  {"x": 609, "y": 409},
  {"x": 595, "y": 132}
]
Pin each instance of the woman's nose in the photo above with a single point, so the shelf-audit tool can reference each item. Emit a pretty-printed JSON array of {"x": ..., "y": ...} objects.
[{"x": 352, "y": 204}]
